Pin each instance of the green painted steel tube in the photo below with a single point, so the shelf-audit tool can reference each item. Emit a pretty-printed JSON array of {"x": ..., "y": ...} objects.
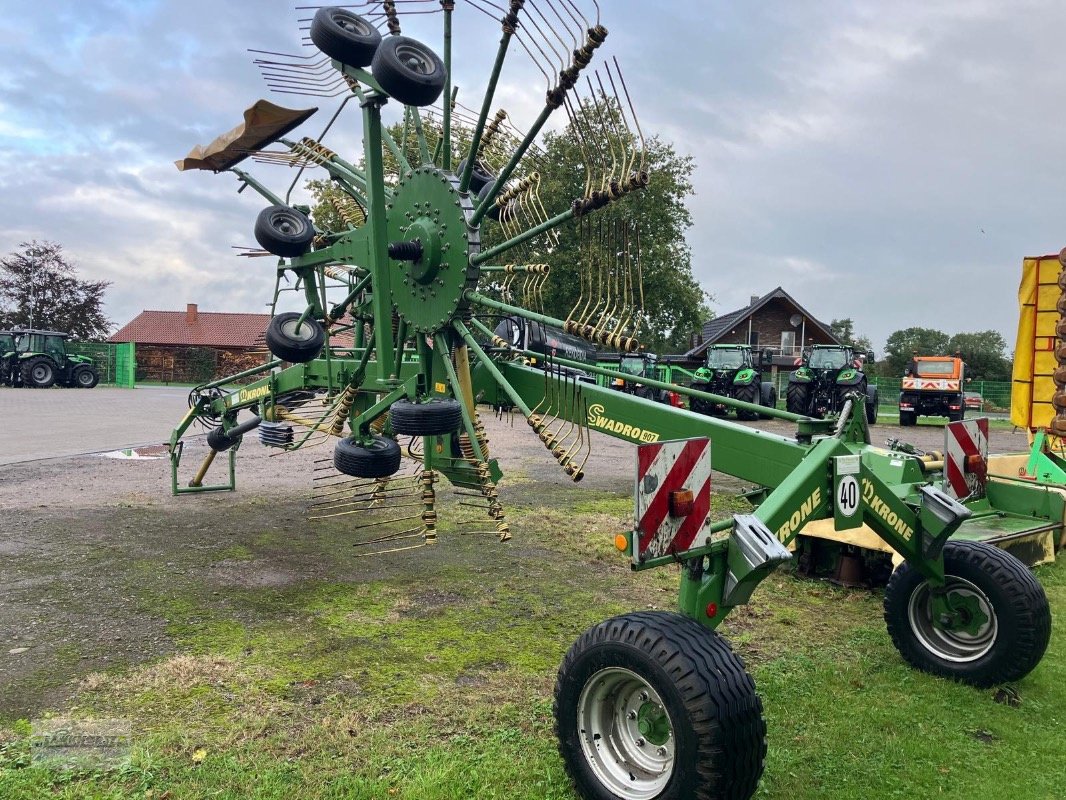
[
  {"x": 248, "y": 180},
  {"x": 525, "y": 236},
  {"x": 420, "y": 135},
  {"x": 492, "y": 369},
  {"x": 457, "y": 390},
  {"x": 446, "y": 111},
  {"x": 488, "y": 302},
  {"x": 486, "y": 104},
  {"x": 376, "y": 225},
  {"x": 245, "y": 374},
  {"x": 338, "y": 310},
  {"x": 382, "y": 134}
]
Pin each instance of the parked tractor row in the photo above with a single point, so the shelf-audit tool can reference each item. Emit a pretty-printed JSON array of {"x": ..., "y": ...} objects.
[{"x": 39, "y": 360}]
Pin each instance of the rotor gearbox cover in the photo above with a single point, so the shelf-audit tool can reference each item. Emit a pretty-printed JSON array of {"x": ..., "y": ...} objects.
[{"x": 427, "y": 206}]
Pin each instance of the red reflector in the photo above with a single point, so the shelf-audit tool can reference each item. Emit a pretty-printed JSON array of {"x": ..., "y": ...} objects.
[
  {"x": 712, "y": 609},
  {"x": 974, "y": 463},
  {"x": 681, "y": 503}
]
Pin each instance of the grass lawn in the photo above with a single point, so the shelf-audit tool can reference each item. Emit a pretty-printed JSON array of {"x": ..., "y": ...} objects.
[{"x": 434, "y": 680}]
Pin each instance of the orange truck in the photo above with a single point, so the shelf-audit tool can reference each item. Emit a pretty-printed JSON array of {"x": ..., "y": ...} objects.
[{"x": 933, "y": 386}]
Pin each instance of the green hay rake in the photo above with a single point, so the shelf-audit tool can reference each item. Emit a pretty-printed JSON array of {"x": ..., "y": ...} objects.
[{"x": 394, "y": 343}]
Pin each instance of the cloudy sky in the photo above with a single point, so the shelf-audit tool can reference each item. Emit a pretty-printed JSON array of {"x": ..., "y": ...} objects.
[{"x": 892, "y": 162}]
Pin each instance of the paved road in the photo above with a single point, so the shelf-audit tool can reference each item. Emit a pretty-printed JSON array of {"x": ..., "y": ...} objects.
[{"x": 62, "y": 422}]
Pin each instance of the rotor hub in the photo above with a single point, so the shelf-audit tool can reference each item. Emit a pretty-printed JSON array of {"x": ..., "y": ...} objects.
[{"x": 427, "y": 208}]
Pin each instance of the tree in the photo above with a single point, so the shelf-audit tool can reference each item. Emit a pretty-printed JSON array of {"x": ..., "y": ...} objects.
[
  {"x": 40, "y": 289},
  {"x": 901, "y": 345},
  {"x": 984, "y": 353},
  {"x": 674, "y": 303}
]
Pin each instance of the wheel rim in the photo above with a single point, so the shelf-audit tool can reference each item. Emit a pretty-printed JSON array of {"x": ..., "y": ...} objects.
[
  {"x": 287, "y": 224},
  {"x": 41, "y": 373},
  {"x": 415, "y": 60},
  {"x": 351, "y": 24},
  {"x": 85, "y": 378},
  {"x": 626, "y": 734},
  {"x": 305, "y": 334},
  {"x": 959, "y": 644}
]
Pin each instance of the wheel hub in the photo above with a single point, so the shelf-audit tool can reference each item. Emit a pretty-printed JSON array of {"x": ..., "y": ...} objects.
[
  {"x": 428, "y": 208},
  {"x": 966, "y": 634}
]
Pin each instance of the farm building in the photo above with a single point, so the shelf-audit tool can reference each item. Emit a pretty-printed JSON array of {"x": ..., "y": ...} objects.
[{"x": 193, "y": 346}]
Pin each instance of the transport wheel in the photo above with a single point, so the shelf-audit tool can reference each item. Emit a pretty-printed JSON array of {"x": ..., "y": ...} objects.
[
  {"x": 219, "y": 441},
  {"x": 1002, "y": 624},
  {"x": 908, "y": 418},
  {"x": 295, "y": 346},
  {"x": 479, "y": 176},
  {"x": 283, "y": 231},
  {"x": 408, "y": 70},
  {"x": 379, "y": 458},
  {"x": 86, "y": 377},
  {"x": 698, "y": 404},
  {"x": 747, "y": 394},
  {"x": 38, "y": 373},
  {"x": 344, "y": 36},
  {"x": 654, "y": 705},
  {"x": 796, "y": 398},
  {"x": 430, "y": 418},
  {"x": 871, "y": 404}
]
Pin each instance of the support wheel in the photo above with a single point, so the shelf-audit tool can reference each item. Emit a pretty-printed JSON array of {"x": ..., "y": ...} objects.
[
  {"x": 292, "y": 345},
  {"x": 344, "y": 36},
  {"x": 479, "y": 176},
  {"x": 747, "y": 394},
  {"x": 796, "y": 398},
  {"x": 86, "y": 377},
  {"x": 431, "y": 418},
  {"x": 1002, "y": 623},
  {"x": 378, "y": 458},
  {"x": 408, "y": 70},
  {"x": 283, "y": 231},
  {"x": 767, "y": 397},
  {"x": 38, "y": 373},
  {"x": 654, "y": 705}
]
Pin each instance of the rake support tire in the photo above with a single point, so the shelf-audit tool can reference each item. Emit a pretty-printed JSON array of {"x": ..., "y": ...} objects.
[
  {"x": 479, "y": 176},
  {"x": 797, "y": 398},
  {"x": 717, "y": 734},
  {"x": 1005, "y": 648},
  {"x": 297, "y": 348},
  {"x": 380, "y": 458},
  {"x": 432, "y": 418},
  {"x": 284, "y": 231},
  {"x": 38, "y": 373},
  {"x": 344, "y": 36},
  {"x": 408, "y": 70},
  {"x": 85, "y": 378}
]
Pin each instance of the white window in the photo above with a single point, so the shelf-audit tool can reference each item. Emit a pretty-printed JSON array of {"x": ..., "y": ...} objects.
[{"x": 788, "y": 342}]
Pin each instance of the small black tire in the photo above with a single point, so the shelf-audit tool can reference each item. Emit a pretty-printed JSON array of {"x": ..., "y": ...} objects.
[
  {"x": 747, "y": 394},
  {"x": 286, "y": 343},
  {"x": 670, "y": 668},
  {"x": 767, "y": 397},
  {"x": 38, "y": 373},
  {"x": 85, "y": 378},
  {"x": 284, "y": 231},
  {"x": 697, "y": 404},
  {"x": 219, "y": 441},
  {"x": 479, "y": 176},
  {"x": 796, "y": 398},
  {"x": 908, "y": 419},
  {"x": 957, "y": 416},
  {"x": 1005, "y": 647},
  {"x": 494, "y": 210},
  {"x": 434, "y": 417},
  {"x": 380, "y": 458},
  {"x": 344, "y": 36},
  {"x": 408, "y": 70}
]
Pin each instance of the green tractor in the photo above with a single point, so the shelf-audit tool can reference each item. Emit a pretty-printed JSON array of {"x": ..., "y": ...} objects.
[
  {"x": 644, "y": 365},
  {"x": 41, "y": 360},
  {"x": 823, "y": 379},
  {"x": 730, "y": 371},
  {"x": 7, "y": 357}
]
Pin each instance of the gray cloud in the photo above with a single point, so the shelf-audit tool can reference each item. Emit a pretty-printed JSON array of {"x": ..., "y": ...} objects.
[{"x": 888, "y": 162}]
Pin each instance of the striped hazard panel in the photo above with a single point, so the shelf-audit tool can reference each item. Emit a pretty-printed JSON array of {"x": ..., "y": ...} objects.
[
  {"x": 673, "y": 496},
  {"x": 966, "y": 457}
]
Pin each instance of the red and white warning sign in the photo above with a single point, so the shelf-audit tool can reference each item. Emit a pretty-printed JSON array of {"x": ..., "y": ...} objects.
[
  {"x": 673, "y": 496},
  {"x": 966, "y": 457}
]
